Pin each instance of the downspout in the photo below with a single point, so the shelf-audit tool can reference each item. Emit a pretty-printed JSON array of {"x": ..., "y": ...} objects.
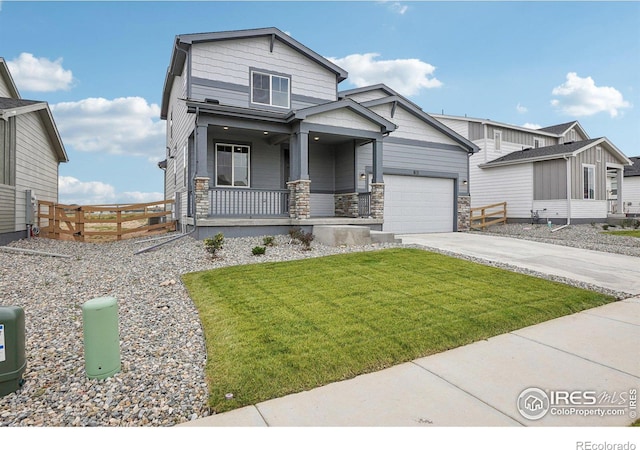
[{"x": 193, "y": 182}]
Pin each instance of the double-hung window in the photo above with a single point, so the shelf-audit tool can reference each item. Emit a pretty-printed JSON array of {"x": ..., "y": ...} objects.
[
  {"x": 232, "y": 165},
  {"x": 269, "y": 89},
  {"x": 497, "y": 140},
  {"x": 589, "y": 181}
]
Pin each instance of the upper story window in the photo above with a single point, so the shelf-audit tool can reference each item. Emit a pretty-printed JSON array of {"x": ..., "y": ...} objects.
[
  {"x": 572, "y": 135},
  {"x": 538, "y": 142},
  {"x": 589, "y": 181},
  {"x": 269, "y": 89},
  {"x": 497, "y": 138}
]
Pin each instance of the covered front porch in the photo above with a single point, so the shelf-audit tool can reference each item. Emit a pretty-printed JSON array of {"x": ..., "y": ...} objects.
[{"x": 295, "y": 170}]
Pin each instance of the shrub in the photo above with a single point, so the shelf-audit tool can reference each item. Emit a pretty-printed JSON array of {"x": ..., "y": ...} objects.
[
  {"x": 305, "y": 239},
  {"x": 212, "y": 245},
  {"x": 605, "y": 227},
  {"x": 258, "y": 250},
  {"x": 269, "y": 241}
]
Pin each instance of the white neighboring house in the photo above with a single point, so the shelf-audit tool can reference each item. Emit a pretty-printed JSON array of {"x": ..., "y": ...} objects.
[
  {"x": 558, "y": 172},
  {"x": 30, "y": 153},
  {"x": 632, "y": 187}
]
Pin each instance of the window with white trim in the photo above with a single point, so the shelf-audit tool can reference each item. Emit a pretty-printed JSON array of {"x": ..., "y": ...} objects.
[
  {"x": 589, "y": 181},
  {"x": 497, "y": 140},
  {"x": 232, "y": 165},
  {"x": 598, "y": 153},
  {"x": 271, "y": 90},
  {"x": 538, "y": 142},
  {"x": 184, "y": 165},
  {"x": 572, "y": 135}
]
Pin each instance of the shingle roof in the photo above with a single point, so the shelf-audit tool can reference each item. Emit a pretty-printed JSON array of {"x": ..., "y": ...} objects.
[
  {"x": 558, "y": 129},
  {"x": 540, "y": 152},
  {"x": 634, "y": 170},
  {"x": 8, "y": 103}
]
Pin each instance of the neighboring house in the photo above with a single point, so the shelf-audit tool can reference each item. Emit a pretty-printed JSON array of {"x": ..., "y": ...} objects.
[
  {"x": 632, "y": 187},
  {"x": 558, "y": 172},
  {"x": 30, "y": 153},
  {"x": 259, "y": 139}
]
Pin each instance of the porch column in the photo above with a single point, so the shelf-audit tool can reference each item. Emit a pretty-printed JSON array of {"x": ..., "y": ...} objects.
[
  {"x": 464, "y": 212},
  {"x": 299, "y": 156},
  {"x": 201, "y": 151},
  {"x": 377, "y": 161},
  {"x": 619, "y": 194}
]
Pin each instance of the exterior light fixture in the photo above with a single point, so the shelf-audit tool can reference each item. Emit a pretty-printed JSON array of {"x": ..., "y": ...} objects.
[
  {"x": 363, "y": 176},
  {"x": 316, "y": 138},
  {"x": 225, "y": 128}
]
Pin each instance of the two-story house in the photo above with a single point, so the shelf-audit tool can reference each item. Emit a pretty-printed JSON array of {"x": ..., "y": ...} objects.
[
  {"x": 30, "y": 153},
  {"x": 557, "y": 173},
  {"x": 260, "y": 139}
]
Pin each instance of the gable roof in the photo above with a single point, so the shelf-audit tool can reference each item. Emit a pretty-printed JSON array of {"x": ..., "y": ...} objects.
[
  {"x": 6, "y": 76},
  {"x": 11, "y": 107},
  {"x": 553, "y": 152},
  {"x": 408, "y": 105},
  {"x": 634, "y": 169},
  {"x": 563, "y": 128},
  {"x": 385, "y": 125},
  {"x": 184, "y": 41}
]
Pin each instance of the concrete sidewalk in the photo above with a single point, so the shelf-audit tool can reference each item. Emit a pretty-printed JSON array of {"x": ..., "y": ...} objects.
[
  {"x": 479, "y": 384},
  {"x": 607, "y": 270}
]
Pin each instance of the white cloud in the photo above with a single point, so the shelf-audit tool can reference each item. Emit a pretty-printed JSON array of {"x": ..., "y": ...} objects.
[
  {"x": 407, "y": 76},
  {"x": 521, "y": 109},
  {"x": 122, "y": 126},
  {"x": 39, "y": 74},
  {"x": 399, "y": 8},
  {"x": 581, "y": 97},
  {"x": 532, "y": 126},
  {"x": 73, "y": 191}
]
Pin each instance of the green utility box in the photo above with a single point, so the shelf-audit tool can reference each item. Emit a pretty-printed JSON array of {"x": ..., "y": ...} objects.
[
  {"x": 101, "y": 337},
  {"x": 12, "y": 355}
]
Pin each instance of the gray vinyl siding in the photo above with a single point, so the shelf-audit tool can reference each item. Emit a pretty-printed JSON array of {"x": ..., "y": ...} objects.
[
  {"x": 523, "y": 138},
  {"x": 322, "y": 168},
  {"x": 229, "y": 62},
  {"x": 36, "y": 164},
  {"x": 407, "y": 157},
  {"x": 4, "y": 89},
  {"x": 476, "y": 131},
  {"x": 7, "y": 208},
  {"x": 550, "y": 180},
  {"x": 587, "y": 157},
  {"x": 345, "y": 168},
  {"x": 6, "y": 165},
  {"x": 176, "y": 140}
]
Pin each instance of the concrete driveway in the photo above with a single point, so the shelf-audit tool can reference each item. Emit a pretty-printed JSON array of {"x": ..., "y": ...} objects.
[{"x": 606, "y": 270}]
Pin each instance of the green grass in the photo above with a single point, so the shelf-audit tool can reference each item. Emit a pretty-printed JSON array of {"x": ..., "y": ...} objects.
[
  {"x": 631, "y": 233},
  {"x": 272, "y": 329}
]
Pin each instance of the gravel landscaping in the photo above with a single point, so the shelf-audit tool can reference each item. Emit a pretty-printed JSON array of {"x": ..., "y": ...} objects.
[
  {"x": 587, "y": 236},
  {"x": 162, "y": 381}
]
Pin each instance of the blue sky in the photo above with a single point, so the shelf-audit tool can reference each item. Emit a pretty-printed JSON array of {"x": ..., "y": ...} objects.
[{"x": 101, "y": 67}]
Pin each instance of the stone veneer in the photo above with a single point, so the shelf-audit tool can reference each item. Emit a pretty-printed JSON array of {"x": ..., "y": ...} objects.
[
  {"x": 464, "y": 212},
  {"x": 377, "y": 200},
  {"x": 299, "y": 199},
  {"x": 346, "y": 205},
  {"x": 202, "y": 197}
]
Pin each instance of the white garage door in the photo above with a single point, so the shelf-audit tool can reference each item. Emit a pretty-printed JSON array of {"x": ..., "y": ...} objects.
[{"x": 418, "y": 204}]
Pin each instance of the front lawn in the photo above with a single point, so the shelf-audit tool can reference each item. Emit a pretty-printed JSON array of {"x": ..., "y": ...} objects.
[
  {"x": 631, "y": 233},
  {"x": 277, "y": 328}
]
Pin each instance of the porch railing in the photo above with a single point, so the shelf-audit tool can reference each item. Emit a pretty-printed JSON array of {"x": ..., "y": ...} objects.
[
  {"x": 248, "y": 202},
  {"x": 613, "y": 207},
  {"x": 364, "y": 204}
]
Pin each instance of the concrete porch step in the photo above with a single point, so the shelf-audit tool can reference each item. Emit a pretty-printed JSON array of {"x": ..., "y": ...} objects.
[{"x": 384, "y": 237}]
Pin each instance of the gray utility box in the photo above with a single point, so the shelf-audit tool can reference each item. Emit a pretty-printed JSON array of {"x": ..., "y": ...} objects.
[{"x": 12, "y": 353}]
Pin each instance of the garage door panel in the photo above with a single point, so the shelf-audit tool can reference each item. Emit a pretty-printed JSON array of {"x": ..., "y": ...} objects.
[{"x": 418, "y": 204}]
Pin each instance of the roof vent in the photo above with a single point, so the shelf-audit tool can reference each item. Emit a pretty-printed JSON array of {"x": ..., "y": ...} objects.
[
  {"x": 526, "y": 149},
  {"x": 567, "y": 143},
  {"x": 212, "y": 100}
]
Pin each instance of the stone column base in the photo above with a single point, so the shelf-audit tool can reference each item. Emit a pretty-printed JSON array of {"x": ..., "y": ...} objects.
[
  {"x": 346, "y": 205},
  {"x": 464, "y": 213},
  {"x": 299, "y": 199},
  {"x": 202, "y": 197},
  {"x": 377, "y": 200}
]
